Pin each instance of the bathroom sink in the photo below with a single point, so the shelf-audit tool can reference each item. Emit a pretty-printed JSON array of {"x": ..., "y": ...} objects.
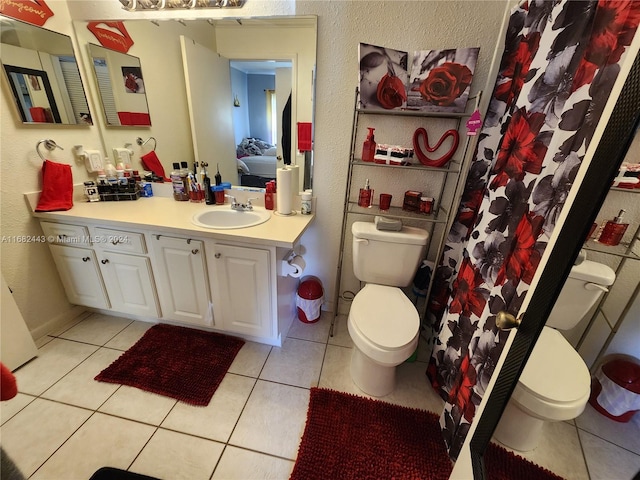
[{"x": 224, "y": 218}]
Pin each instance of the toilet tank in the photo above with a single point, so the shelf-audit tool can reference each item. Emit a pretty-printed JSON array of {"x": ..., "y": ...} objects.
[
  {"x": 387, "y": 258},
  {"x": 586, "y": 283}
]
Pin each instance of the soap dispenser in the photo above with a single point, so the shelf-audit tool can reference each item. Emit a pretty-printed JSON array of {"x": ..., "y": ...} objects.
[
  {"x": 614, "y": 230},
  {"x": 366, "y": 194},
  {"x": 369, "y": 147},
  {"x": 217, "y": 176}
]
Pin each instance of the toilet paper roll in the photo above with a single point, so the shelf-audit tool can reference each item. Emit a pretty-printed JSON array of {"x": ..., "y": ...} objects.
[
  {"x": 284, "y": 190},
  {"x": 295, "y": 182},
  {"x": 297, "y": 265}
]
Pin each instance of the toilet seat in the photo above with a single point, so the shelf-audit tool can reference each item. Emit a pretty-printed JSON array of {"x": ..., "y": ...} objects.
[
  {"x": 384, "y": 324},
  {"x": 555, "y": 383}
]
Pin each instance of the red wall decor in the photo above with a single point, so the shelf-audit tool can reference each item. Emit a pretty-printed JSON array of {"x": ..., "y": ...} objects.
[
  {"x": 120, "y": 40},
  {"x": 35, "y": 12}
]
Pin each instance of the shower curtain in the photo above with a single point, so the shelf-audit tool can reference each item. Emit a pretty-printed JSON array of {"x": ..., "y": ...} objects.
[{"x": 560, "y": 62}]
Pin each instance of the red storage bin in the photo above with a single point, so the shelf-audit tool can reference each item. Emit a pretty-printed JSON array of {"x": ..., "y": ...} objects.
[{"x": 615, "y": 390}]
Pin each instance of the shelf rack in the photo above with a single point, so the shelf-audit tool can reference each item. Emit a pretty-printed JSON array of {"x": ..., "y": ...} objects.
[{"x": 442, "y": 214}]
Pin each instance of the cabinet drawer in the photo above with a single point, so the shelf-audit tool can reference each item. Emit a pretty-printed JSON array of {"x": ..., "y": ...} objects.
[
  {"x": 65, "y": 234},
  {"x": 119, "y": 241}
]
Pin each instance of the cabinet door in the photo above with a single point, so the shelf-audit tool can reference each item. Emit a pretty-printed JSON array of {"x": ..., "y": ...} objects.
[
  {"x": 242, "y": 289},
  {"x": 183, "y": 288},
  {"x": 129, "y": 283},
  {"x": 80, "y": 275}
]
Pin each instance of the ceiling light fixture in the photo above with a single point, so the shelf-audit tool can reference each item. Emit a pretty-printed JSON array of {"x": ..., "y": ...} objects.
[{"x": 137, "y": 5}]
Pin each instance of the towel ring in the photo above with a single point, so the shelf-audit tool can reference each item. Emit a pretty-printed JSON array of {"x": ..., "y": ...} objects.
[
  {"x": 141, "y": 142},
  {"x": 49, "y": 145}
]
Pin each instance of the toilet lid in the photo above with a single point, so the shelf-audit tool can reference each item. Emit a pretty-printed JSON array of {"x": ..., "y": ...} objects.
[
  {"x": 555, "y": 371},
  {"x": 385, "y": 316}
]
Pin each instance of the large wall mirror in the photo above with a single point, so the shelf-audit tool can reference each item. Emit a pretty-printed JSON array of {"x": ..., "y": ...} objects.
[
  {"x": 42, "y": 73},
  {"x": 213, "y": 85},
  {"x": 121, "y": 87}
]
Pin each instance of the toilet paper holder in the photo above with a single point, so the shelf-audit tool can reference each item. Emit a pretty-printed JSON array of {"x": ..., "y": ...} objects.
[{"x": 291, "y": 265}]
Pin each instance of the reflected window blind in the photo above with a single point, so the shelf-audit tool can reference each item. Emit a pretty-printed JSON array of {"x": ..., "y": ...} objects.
[
  {"x": 74, "y": 87},
  {"x": 106, "y": 93}
]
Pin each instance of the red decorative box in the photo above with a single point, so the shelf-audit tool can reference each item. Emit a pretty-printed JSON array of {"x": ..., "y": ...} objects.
[{"x": 411, "y": 201}]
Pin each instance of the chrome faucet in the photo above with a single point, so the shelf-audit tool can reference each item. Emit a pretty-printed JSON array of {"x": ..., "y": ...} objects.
[{"x": 241, "y": 207}]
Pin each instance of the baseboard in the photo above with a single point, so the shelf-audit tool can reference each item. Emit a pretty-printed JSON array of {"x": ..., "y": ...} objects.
[{"x": 57, "y": 322}]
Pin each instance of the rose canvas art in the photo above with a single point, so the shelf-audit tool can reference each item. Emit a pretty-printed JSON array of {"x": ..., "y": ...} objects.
[
  {"x": 440, "y": 79},
  {"x": 383, "y": 77}
]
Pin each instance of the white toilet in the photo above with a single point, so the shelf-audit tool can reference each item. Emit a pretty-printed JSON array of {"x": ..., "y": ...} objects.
[
  {"x": 555, "y": 383},
  {"x": 383, "y": 323}
]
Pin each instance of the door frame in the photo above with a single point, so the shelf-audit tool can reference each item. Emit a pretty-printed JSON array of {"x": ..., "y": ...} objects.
[{"x": 593, "y": 189}]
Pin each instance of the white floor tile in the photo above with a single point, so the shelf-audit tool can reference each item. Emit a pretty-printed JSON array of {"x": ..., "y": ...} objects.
[
  {"x": 559, "y": 451},
  {"x": 239, "y": 464},
  {"x": 341, "y": 333},
  {"x": 315, "y": 332},
  {"x": 79, "y": 388},
  {"x": 413, "y": 389},
  {"x": 178, "y": 457},
  {"x": 336, "y": 373},
  {"x": 250, "y": 359},
  {"x": 37, "y": 431},
  {"x": 297, "y": 362},
  {"x": 135, "y": 404},
  {"x": 273, "y": 420},
  {"x": 625, "y": 435},
  {"x": 9, "y": 408},
  {"x": 606, "y": 461},
  {"x": 55, "y": 359},
  {"x": 129, "y": 336},
  {"x": 216, "y": 420},
  {"x": 97, "y": 329},
  {"x": 102, "y": 441}
]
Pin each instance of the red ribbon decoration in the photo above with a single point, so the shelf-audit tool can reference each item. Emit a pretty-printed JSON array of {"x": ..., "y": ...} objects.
[
  {"x": 438, "y": 162},
  {"x": 121, "y": 42},
  {"x": 35, "y": 12}
]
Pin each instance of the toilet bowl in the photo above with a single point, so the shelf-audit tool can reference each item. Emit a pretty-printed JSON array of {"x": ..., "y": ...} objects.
[
  {"x": 379, "y": 349},
  {"x": 555, "y": 383},
  {"x": 383, "y": 323}
]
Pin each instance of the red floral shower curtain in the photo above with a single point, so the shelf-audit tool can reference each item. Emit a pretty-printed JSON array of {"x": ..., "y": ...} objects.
[{"x": 560, "y": 62}]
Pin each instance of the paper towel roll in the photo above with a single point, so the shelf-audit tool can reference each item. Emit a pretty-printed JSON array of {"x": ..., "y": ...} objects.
[
  {"x": 297, "y": 265},
  {"x": 284, "y": 190}
]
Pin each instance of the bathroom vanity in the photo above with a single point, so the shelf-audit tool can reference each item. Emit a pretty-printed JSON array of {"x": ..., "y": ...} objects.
[{"x": 147, "y": 260}]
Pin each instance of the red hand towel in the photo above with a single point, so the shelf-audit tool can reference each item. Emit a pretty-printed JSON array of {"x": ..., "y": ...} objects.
[
  {"x": 57, "y": 187},
  {"x": 151, "y": 162}
]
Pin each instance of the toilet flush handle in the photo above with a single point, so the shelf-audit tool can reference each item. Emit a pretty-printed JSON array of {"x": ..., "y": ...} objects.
[
  {"x": 361, "y": 240},
  {"x": 595, "y": 286}
]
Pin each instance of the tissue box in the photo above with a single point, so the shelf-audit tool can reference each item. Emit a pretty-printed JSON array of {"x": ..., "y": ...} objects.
[{"x": 411, "y": 201}]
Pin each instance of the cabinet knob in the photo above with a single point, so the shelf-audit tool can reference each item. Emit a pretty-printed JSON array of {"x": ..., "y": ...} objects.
[
  {"x": 85, "y": 259},
  {"x": 218, "y": 255},
  {"x": 195, "y": 251},
  {"x": 105, "y": 261}
]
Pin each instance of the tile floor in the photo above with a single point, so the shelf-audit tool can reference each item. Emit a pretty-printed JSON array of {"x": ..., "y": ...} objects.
[{"x": 65, "y": 425}]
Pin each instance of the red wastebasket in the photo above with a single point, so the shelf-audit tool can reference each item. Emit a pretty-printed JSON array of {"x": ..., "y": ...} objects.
[
  {"x": 615, "y": 390},
  {"x": 309, "y": 299}
]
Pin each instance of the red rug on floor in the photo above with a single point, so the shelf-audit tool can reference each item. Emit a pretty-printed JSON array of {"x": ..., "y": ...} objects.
[
  {"x": 352, "y": 437},
  {"x": 177, "y": 362}
]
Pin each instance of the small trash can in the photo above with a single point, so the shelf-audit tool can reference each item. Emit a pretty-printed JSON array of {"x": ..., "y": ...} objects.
[
  {"x": 309, "y": 299},
  {"x": 615, "y": 389}
]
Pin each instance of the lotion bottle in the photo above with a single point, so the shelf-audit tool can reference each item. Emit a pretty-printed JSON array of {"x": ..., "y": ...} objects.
[
  {"x": 369, "y": 147},
  {"x": 614, "y": 230},
  {"x": 366, "y": 194}
]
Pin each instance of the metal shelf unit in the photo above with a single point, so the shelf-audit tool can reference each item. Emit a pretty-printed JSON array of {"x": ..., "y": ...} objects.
[{"x": 454, "y": 171}]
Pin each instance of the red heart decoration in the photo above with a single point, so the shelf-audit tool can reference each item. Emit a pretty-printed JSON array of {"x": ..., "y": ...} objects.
[{"x": 438, "y": 162}]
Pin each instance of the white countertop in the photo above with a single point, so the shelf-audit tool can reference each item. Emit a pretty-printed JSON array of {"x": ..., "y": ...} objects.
[{"x": 165, "y": 215}]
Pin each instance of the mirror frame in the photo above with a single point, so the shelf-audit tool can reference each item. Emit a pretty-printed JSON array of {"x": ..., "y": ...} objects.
[{"x": 9, "y": 69}]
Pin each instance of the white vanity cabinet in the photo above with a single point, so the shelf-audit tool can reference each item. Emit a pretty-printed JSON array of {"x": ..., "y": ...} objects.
[
  {"x": 181, "y": 279},
  {"x": 241, "y": 288},
  {"x": 77, "y": 264},
  {"x": 126, "y": 271}
]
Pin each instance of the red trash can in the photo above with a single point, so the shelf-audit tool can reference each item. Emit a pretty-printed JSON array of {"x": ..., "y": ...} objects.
[
  {"x": 615, "y": 390},
  {"x": 309, "y": 299}
]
